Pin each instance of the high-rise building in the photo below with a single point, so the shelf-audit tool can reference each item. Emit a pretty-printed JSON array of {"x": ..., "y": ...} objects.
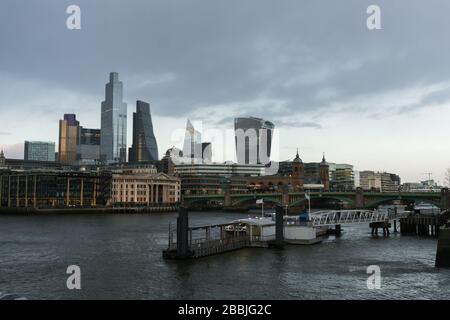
[
  {"x": 68, "y": 139},
  {"x": 253, "y": 140},
  {"x": 194, "y": 150},
  {"x": 39, "y": 151},
  {"x": 88, "y": 148},
  {"x": 144, "y": 146},
  {"x": 207, "y": 152},
  {"x": 113, "y": 122},
  {"x": 192, "y": 147}
]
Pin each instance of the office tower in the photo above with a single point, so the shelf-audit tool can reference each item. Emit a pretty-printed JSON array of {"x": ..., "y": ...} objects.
[
  {"x": 88, "y": 148},
  {"x": 253, "y": 140},
  {"x": 206, "y": 152},
  {"x": 144, "y": 146},
  {"x": 39, "y": 151},
  {"x": 68, "y": 139},
  {"x": 192, "y": 148},
  {"x": 113, "y": 122}
]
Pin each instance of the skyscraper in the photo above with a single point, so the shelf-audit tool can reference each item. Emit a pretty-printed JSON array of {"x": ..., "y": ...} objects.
[
  {"x": 39, "y": 151},
  {"x": 192, "y": 148},
  {"x": 88, "y": 148},
  {"x": 144, "y": 146},
  {"x": 68, "y": 139},
  {"x": 113, "y": 122},
  {"x": 253, "y": 140}
]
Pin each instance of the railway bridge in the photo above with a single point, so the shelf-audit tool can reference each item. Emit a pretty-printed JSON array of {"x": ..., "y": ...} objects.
[{"x": 353, "y": 200}]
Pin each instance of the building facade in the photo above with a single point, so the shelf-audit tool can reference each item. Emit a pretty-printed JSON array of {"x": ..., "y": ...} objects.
[
  {"x": 379, "y": 181},
  {"x": 69, "y": 130},
  {"x": 144, "y": 187},
  {"x": 39, "y": 151},
  {"x": 54, "y": 189},
  {"x": 253, "y": 137},
  {"x": 113, "y": 122},
  {"x": 344, "y": 178},
  {"x": 291, "y": 176},
  {"x": 317, "y": 174},
  {"x": 145, "y": 147},
  {"x": 88, "y": 148}
]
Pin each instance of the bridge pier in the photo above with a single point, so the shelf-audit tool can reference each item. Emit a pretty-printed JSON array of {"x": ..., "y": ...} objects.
[
  {"x": 227, "y": 199},
  {"x": 279, "y": 228},
  {"x": 359, "y": 198},
  {"x": 443, "y": 248},
  {"x": 445, "y": 199}
]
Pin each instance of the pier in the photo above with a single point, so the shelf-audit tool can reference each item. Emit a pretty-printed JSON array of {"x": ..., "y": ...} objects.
[{"x": 195, "y": 242}]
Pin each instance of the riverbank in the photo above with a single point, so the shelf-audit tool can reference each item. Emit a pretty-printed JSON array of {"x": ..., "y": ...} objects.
[{"x": 103, "y": 210}]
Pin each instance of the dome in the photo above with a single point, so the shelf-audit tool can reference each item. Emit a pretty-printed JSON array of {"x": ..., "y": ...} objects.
[{"x": 174, "y": 152}]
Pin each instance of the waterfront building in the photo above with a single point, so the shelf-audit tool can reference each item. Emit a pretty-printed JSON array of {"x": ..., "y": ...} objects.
[
  {"x": 88, "y": 148},
  {"x": 215, "y": 178},
  {"x": 113, "y": 122},
  {"x": 356, "y": 176},
  {"x": 53, "y": 189},
  {"x": 222, "y": 169},
  {"x": 144, "y": 146},
  {"x": 379, "y": 181},
  {"x": 291, "y": 176},
  {"x": 344, "y": 178},
  {"x": 316, "y": 174},
  {"x": 69, "y": 130},
  {"x": 423, "y": 186},
  {"x": 144, "y": 186},
  {"x": 39, "y": 151},
  {"x": 253, "y": 138}
]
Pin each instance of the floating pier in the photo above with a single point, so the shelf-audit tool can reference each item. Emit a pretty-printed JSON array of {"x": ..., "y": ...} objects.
[{"x": 195, "y": 242}]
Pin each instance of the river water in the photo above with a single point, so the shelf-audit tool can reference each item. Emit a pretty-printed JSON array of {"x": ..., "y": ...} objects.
[{"x": 120, "y": 258}]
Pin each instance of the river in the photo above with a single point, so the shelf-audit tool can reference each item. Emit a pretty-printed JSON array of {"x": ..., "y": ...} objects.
[{"x": 120, "y": 258}]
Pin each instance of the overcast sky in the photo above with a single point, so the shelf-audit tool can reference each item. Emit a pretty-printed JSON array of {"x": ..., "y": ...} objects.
[{"x": 379, "y": 99}]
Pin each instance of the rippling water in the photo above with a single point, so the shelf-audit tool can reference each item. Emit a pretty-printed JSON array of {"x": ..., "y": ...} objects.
[{"x": 120, "y": 258}]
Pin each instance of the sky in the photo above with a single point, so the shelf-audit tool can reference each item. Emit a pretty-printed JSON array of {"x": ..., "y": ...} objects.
[{"x": 377, "y": 99}]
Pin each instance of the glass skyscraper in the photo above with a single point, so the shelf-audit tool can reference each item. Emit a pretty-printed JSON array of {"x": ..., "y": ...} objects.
[
  {"x": 253, "y": 140},
  {"x": 113, "y": 122},
  {"x": 144, "y": 146},
  {"x": 39, "y": 151}
]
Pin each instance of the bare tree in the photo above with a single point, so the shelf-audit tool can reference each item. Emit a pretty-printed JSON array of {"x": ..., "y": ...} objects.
[{"x": 447, "y": 178}]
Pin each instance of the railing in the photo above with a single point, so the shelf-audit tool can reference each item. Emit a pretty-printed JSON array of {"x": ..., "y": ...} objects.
[{"x": 335, "y": 217}]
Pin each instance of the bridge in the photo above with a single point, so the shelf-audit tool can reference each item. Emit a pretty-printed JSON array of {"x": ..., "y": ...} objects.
[
  {"x": 345, "y": 217},
  {"x": 357, "y": 199}
]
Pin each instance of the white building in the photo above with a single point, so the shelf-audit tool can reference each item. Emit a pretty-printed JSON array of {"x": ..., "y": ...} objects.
[{"x": 144, "y": 186}]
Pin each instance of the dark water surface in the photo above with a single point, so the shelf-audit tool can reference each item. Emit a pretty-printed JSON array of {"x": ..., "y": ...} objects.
[{"x": 120, "y": 258}]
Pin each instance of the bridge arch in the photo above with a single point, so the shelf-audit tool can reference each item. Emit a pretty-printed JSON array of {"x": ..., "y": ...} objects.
[
  {"x": 324, "y": 197},
  {"x": 375, "y": 203},
  {"x": 266, "y": 199}
]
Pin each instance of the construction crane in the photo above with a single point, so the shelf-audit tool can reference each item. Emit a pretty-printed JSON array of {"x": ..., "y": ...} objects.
[{"x": 429, "y": 174}]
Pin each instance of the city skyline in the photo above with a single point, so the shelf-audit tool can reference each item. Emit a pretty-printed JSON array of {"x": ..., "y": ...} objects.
[{"x": 312, "y": 91}]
